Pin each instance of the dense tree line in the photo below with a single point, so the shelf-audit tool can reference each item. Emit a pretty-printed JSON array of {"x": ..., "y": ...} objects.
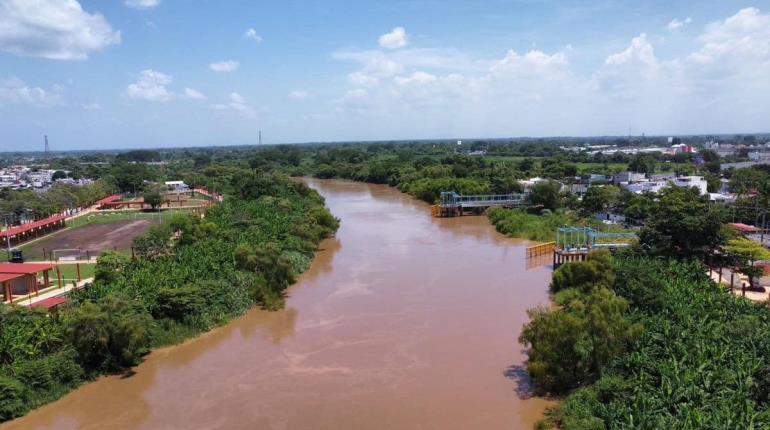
[
  {"x": 639, "y": 342},
  {"x": 18, "y": 204},
  {"x": 190, "y": 275}
]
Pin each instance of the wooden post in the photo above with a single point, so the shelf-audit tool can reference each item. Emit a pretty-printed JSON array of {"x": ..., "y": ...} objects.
[
  {"x": 732, "y": 276},
  {"x": 46, "y": 279},
  {"x": 33, "y": 280},
  {"x": 77, "y": 267},
  {"x": 720, "y": 274},
  {"x": 58, "y": 276},
  {"x": 6, "y": 293}
]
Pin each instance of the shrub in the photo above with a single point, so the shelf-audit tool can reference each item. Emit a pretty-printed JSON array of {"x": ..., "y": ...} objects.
[
  {"x": 12, "y": 398},
  {"x": 570, "y": 346},
  {"x": 596, "y": 271},
  {"x": 109, "y": 335},
  {"x": 177, "y": 303}
]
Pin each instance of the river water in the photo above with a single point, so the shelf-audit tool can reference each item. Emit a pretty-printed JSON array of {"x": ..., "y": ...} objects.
[{"x": 403, "y": 322}]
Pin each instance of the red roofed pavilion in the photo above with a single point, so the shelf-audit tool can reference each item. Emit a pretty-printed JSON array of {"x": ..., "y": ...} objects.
[
  {"x": 25, "y": 232},
  {"x": 24, "y": 276}
]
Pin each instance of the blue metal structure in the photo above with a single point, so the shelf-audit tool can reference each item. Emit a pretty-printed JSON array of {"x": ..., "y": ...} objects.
[
  {"x": 585, "y": 238},
  {"x": 450, "y": 198}
]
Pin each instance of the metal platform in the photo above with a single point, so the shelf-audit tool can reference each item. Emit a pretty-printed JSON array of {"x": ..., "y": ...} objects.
[{"x": 453, "y": 204}]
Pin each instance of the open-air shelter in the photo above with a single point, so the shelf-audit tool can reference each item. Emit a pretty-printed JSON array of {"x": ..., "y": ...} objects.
[
  {"x": 7, "y": 281},
  {"x": 22, "y": 233},
  {"x": 24, "y": 277}
]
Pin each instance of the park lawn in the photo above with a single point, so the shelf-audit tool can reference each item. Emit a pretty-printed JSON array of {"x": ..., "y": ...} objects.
[
  {"x": 110, "y": 217},
  {"x": 69, "y": 271}
]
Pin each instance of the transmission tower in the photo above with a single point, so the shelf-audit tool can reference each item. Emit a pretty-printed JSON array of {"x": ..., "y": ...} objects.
[{"x": 47, "y": 152}]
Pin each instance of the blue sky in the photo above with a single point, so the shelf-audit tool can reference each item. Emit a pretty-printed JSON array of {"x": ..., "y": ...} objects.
[{"x": 163, "y": 73}]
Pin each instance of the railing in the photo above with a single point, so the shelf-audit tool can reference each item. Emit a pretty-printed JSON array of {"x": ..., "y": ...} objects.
[
  {"x": 586, "y": 237},
  {"x": 452, "y": 198},
  {"x": 541, "y": 249}
]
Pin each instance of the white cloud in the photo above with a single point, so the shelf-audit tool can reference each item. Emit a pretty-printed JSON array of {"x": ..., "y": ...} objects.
[
  {"x": 142, "y": 4},
  {"x": 252, "y": 34},
  {"x": 417, "y": 78},
  {"x": 236, "y": 103},
  {"x": 676, "y": 24},
  {"x": 191, "y": 93},
  {"x": 397, "y": 38},
  {"x": 744, "y": 36},
  {"x": 532, "y": 64},
  {"x": 91, "y": 106},
  {"x": 225, "y": 66},
  {"x": 15, "y": 91},
  {"x": 298, "y": 95},
  {"x": 360, "y": 79},
  {"x": 640, "y": 51},
  {"x": 54, "y": 29},
  {"x": 150, "y": 86}
]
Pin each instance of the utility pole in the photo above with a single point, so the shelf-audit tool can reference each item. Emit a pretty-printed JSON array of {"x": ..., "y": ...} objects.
[{"x": 8, "y": 237}]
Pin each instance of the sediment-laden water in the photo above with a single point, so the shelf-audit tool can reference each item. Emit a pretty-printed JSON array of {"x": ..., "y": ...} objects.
[{"x": 403, "y": 322}]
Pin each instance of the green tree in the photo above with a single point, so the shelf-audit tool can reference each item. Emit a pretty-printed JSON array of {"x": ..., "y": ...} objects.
[
  {"x": 745, "y": 253},
  {"x": 58, "y": 175},
  {"x": 153, "y": 198},
  {"x": 682, "y": 224},
  {"x": 109, "y": 335},
  {"x": 643, "y": 163},
  {"x": 600, "y": 198},
  {"x": 546, "y": 194},
  {"x": 571, "y": 345},
  {"x": 596, "y": 271}
]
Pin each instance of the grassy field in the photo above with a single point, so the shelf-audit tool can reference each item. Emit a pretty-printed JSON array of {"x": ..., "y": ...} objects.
[
  {"x": 69, "y": 271},
  {"x": 110, "y": 217},
  {"x": 85, "y": 231}
]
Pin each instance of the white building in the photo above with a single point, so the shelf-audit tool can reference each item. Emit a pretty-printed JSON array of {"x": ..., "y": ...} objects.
[
  {"x": 177, "y": 186},
  {"x": 655, "y": 185},
  {"x": 646, "y": 186},
  {"x": 698, "y": 182}
]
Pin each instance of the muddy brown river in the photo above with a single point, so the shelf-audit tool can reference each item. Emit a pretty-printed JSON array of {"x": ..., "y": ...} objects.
[{"x": 403, "y": 322}]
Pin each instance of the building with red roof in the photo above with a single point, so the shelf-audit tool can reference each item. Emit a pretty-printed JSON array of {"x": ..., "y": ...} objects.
[
  {"x": 22, "y": 233},
  {"x": 22, "y": 278}
]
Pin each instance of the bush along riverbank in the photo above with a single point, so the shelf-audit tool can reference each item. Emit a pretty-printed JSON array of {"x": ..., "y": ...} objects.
[
  {"x": 190, "y": 275},
  {"x": 638, "y": 342}
]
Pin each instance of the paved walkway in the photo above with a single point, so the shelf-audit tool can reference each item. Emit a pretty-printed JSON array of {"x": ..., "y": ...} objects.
[
  {"x": 31, "y": 299},
  {"x": 738, "y": 280}
]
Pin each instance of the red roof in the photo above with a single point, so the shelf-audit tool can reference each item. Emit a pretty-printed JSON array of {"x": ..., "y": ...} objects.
[
  {"x": 744, "y": 228},
  {"x": 108, "y": 199},
  {"x": 25, "y": 268},
  {"x": 13, "y": 231},
  {"x": 5, "y": 277},
  {"x": 49, "y": 302}
]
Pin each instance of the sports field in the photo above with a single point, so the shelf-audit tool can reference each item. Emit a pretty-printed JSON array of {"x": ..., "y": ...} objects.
[{"x": 94, "y": 233}]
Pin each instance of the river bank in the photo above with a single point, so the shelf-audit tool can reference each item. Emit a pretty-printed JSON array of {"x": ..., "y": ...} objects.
[{"x": 403, "y": 321}]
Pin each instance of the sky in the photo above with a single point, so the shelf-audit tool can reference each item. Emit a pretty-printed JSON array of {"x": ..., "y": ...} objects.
[{"x": 108, "y": 74}]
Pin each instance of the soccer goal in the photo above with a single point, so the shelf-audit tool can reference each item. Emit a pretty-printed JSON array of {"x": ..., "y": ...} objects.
[
  {"x": 71, "y": 254},
  {"x": 147, "y": 215}
]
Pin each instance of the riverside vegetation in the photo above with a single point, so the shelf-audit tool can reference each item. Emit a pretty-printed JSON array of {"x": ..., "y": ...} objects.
[
  {"x": 191, "y": 275},
  {"x": 641, "y": 340}
]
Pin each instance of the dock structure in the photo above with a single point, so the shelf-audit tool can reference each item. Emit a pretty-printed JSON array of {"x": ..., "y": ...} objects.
[
  {"x": 575, "y": 243},
  {"x": 453, "y": 204}
]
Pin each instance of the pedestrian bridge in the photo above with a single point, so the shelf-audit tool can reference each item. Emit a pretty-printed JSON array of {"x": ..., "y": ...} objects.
[{"x": 453, "y": 204}]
